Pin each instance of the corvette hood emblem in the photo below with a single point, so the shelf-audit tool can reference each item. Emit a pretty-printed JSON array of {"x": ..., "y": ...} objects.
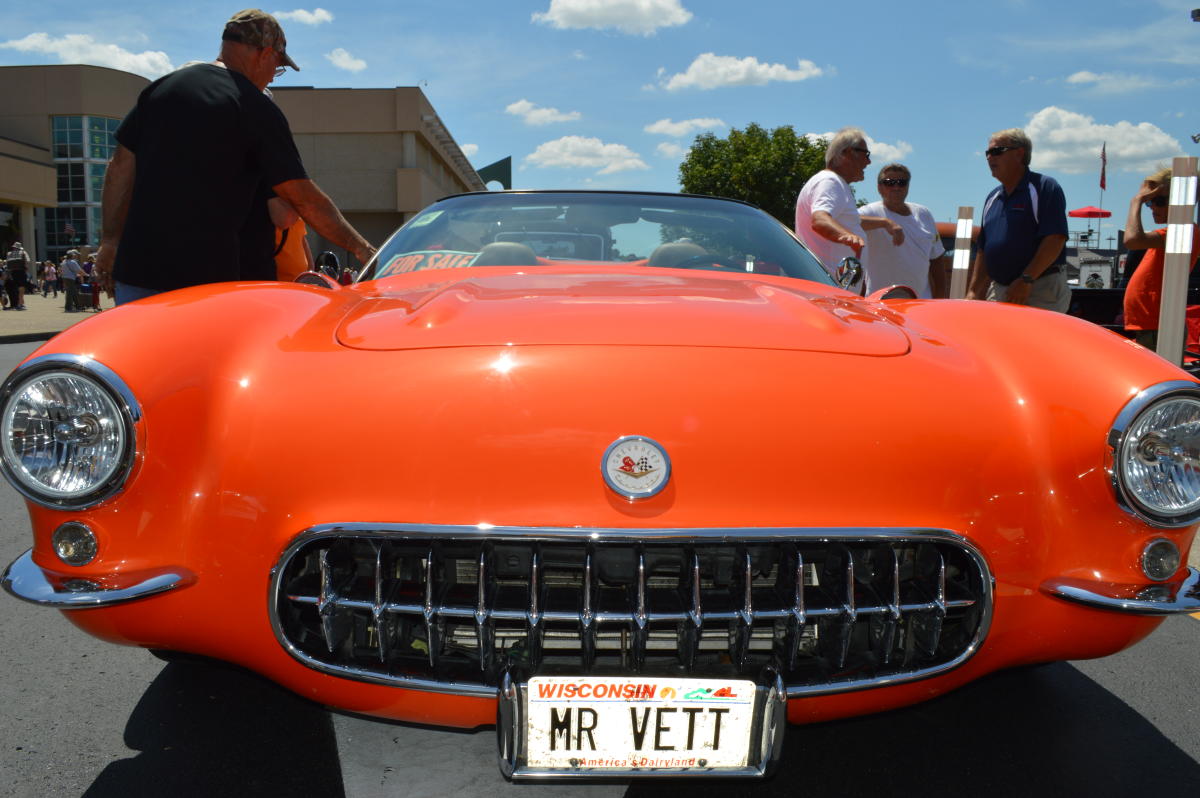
[{"x": 636, "y": 467}]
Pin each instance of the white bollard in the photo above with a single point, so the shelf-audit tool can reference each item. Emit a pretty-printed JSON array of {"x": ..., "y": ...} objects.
[{"x": 1177, "y": 260}]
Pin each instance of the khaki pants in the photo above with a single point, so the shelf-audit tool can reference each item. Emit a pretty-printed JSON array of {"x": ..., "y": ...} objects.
[{"x": 1048, "y": 292}]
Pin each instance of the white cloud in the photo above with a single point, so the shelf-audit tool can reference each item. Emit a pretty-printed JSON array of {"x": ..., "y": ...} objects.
[
  {"x": 536, "y": 115},
  {"x": 343, "y": 60},
  {"x": 1070, "y": 142},
  {"x": 710, "y": 71},
  {"x": 667, "y": 127},
  {"x": 315, "y": 17},
  {"x": 80, "y": 48},
  {"x": 881, "y": 151},
  {"x": 1111, "y": 82},
  {"x": 579, "y": 55},
  {"x": 637, "y": 17},
  {"x": 470, "y": 149},
  {"x": 668, "y": 150},
  {"x": 580, "y": 152}
]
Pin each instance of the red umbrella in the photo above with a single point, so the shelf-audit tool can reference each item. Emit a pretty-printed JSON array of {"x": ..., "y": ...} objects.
[{"x": 1090, "y": 212}]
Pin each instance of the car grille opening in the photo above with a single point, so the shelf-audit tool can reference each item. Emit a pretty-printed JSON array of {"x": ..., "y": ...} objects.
[{"x": 451, "y": 611}]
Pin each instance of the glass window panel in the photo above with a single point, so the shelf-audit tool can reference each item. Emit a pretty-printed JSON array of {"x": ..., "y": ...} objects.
[{"x": 75, "y": 122}]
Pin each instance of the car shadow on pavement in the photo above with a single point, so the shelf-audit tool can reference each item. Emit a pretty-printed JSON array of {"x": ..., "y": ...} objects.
[
  {"x": 210, "y": 729},
  {"x": 1041, "y": 731}
]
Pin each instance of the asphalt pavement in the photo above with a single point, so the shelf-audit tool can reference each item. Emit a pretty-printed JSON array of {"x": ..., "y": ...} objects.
[{"x": 43, "y": 318}]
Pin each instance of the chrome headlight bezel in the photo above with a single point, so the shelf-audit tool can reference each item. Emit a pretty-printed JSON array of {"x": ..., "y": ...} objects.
[
  {"x": 129, "y": 416},
  {"x": 1120, "y": 444}
]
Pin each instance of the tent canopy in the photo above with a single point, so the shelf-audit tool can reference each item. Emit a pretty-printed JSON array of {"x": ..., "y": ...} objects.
[{"x": 1090, "y": 212}]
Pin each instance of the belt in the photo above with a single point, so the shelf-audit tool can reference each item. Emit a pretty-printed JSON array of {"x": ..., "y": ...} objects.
[{"x": 1055, "y": 269}]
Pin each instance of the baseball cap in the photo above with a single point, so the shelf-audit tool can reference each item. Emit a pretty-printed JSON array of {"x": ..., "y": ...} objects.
[{"x": 257, "y": 28}]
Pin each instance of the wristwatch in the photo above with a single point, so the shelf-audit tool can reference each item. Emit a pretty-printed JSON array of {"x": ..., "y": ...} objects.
[{"x": 1025, "y": 278}]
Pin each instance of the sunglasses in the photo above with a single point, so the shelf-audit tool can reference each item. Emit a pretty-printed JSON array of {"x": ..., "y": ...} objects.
[
  {"x": 863, "y": 150},
  {"x": 994, "y": 152},
  {"x": 1157, "y": 202},
  {"x": 893, "y": 181}
]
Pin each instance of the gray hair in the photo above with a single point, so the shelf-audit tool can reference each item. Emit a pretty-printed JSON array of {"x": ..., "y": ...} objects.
[
  {"x": 896, "y": 167},
  {"x": 843, "y": 140},
  {"x": 1017, "y": 138}
]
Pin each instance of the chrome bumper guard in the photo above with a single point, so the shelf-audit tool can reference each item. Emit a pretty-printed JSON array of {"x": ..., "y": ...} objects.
[
  {"x": 28, "y": 582},
  {"x": 1165, "y": 599}
]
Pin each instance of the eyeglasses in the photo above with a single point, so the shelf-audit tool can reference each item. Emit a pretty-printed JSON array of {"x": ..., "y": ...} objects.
[
  {"x": 1157, "y": 202},
  {"x": 280, "y": 71},
  {"x": 893, "y": 181},
  {"x": 995, "y": 152},
  {"x": 863, "y": 150}
]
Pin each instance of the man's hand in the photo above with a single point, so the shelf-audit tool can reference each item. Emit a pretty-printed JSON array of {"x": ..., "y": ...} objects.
[
  {"x": 104, "y": 267},
  {"x": 1018, "y": 292},
  {"x": 854, "y": 242},
  {"x": 896, "y": 232}
]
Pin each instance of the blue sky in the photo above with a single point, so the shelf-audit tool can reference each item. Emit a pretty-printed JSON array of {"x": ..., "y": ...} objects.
[{"x": 609, "y": 93}]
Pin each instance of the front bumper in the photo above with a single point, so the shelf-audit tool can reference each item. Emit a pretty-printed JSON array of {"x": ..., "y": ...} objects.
[
  {"x": 1165, "y": 599},
  {"x": 26, "y": 580}
]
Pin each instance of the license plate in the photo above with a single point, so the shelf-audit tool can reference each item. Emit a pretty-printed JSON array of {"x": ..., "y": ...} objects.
[{"x": 598, "y": 723}]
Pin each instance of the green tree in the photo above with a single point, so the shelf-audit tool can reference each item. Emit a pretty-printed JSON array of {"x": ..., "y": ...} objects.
[{"x": 766, "y": 169}]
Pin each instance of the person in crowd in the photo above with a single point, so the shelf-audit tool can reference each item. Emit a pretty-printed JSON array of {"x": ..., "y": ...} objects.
[
  {"x": 50, "y": 279},
  {"x": 199, "y": 127},
  {"x": 827, "y": 218},
  {"x": 1143, "y": 295},
  {"x": 1020, "y": 255},
  {"x": 71, "y": 273},
  {"x": 920, "y": 262},
  {"x": 93, "y": 273},
  {"x": 16, "y": 266}
]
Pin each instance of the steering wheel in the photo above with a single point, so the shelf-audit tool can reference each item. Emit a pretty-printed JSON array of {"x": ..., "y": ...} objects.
[{"x": 716, "y": 263}]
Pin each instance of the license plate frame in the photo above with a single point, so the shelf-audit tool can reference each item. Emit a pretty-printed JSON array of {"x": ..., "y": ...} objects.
[{"x": 527, "y": 726}]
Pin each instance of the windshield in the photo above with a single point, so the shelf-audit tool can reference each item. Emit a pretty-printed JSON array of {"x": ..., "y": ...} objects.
[{"x": 531, "y": 229}]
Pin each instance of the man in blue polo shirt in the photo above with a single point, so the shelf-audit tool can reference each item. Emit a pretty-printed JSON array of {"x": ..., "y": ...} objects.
[{"x": 1019, "y": 254}]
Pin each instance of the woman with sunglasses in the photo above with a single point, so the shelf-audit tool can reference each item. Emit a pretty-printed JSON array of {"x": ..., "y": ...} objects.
[{"x": 1143, "y": 295}]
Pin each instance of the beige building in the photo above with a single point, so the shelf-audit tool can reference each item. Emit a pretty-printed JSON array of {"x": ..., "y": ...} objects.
[{"x": 380, "y": 154}]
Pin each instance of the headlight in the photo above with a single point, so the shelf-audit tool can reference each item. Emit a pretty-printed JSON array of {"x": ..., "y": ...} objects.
[
  {"x": 68, "y": 430},
  {"x": 1156, "y": 445}
]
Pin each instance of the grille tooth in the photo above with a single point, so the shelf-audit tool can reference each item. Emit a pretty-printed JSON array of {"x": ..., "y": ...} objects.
[
  {"x": 485, "y": 627},
  {"x": 587, "y": 616},
  {"x": 429, "y": 608},
  {"x": 797, "y": 616},
  {"x": 691, "y": 628},
  {"x": 742, "y": 628},
  {"x": 931, "y": 581},
  {"x": 830, "y": 612},
  {"x": 335, "y": 621},
  {"x": 383, "y": 640},
  {"x": 534, "y": 626},
  {"x": 640, "y": 633}
]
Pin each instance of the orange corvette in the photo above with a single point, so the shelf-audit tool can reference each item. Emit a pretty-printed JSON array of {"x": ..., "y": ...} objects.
[{"x": 628, "y": 475}]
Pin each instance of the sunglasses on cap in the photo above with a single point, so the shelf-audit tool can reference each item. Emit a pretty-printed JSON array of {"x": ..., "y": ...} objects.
[{"x": 893, "y": 181}]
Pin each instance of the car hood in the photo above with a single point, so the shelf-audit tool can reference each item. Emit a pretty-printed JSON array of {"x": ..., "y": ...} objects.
[{"x": 646, "y": 309}]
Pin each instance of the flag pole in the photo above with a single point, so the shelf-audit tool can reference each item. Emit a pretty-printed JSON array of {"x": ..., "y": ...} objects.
[{"x": 1100, "y": 220}]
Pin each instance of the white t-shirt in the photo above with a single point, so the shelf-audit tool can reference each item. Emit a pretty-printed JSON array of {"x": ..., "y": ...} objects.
[
  {"x": 827, "y": 191},
  {"x": 908, "y": 264}
]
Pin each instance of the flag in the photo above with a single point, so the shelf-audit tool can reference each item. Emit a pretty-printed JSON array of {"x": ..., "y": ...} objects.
[
  {"x": 1103, "y": 164},
  {"x": 69, "y": 229}
]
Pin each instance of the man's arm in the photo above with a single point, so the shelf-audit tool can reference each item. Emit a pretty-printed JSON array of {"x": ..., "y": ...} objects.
[
  {"x": 977, "y": 286},
  {"x": 876, "y": 222},
  {"x": 114, "y": 208},
  {"x": 826, "y": 226},
  {"x": 939, "y": 277},
  {"x": 319, "y": 212},
  {"x": 1135, "y": 236}
]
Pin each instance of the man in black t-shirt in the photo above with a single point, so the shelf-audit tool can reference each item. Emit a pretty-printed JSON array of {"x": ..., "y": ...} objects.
[{"x": 190, "y": 158}]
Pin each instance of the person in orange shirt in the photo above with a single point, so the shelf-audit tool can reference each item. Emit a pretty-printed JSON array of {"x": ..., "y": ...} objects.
[
  {"x": 292, "y": 253},
  {"x": 1143, "y": 295}
]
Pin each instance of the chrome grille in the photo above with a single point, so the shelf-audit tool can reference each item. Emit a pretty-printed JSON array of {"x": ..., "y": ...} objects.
[{"x": 449, "y": 608}]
